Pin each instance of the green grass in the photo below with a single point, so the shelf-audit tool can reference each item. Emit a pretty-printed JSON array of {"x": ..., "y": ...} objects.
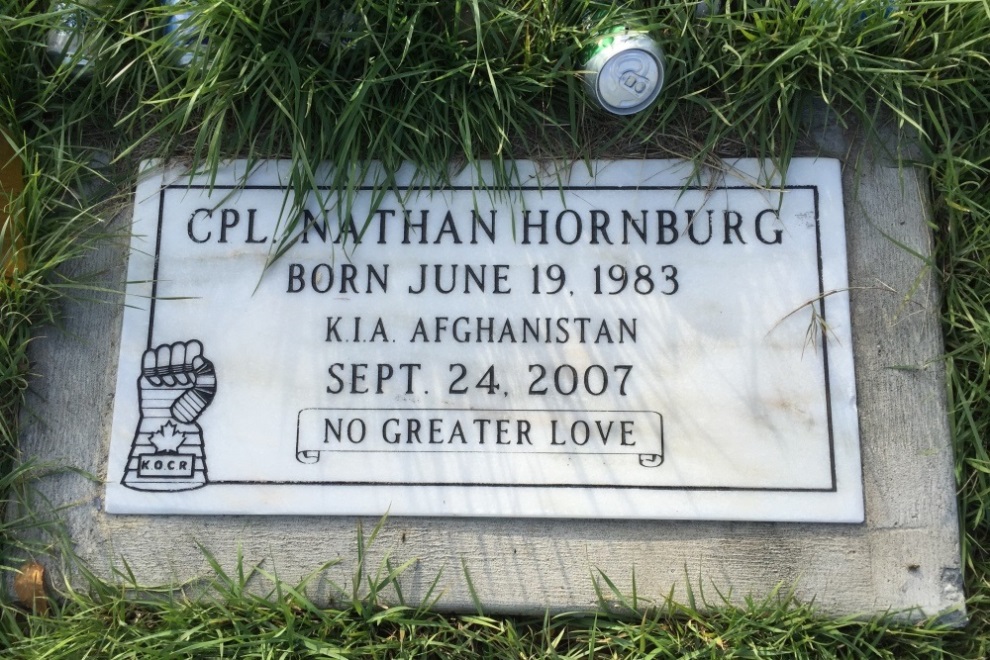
[{"x": 442, "y": 83}]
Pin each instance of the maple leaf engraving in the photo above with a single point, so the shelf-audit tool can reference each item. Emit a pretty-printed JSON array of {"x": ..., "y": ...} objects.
[{"x": 168, "y": 438}]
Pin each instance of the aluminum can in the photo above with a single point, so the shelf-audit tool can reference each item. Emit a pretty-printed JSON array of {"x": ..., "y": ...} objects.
[
  {"x": 333, "y": 24},
  {"x": 66, "y": 40},
  {"x": 706, "y": 8},
  {"x": 868, "y": 8},
  {"x": 183, "y": 39},
  {"x": 625, "y": 71}
]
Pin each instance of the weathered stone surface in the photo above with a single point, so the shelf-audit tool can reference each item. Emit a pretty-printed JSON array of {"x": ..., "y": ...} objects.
[{"x": 905, "y": 558}]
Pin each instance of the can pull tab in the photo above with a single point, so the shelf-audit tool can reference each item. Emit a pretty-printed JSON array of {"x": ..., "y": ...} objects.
[{"x": 630, "y": 76}]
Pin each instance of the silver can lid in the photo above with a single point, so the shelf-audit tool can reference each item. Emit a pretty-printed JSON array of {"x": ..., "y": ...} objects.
[{"x": 625, "y": 73}]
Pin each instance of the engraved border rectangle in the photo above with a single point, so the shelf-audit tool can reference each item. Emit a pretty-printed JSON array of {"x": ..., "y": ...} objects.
[{"x": 812, "y": 188}]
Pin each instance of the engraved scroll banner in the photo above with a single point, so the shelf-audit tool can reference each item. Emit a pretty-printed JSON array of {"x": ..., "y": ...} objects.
[{"x": 576, "y": 446}]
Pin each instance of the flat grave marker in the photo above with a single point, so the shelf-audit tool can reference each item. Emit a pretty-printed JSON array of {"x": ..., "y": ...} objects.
[
  {"x": 903, "y": 557},
  {"x": 619, "y": 343}
]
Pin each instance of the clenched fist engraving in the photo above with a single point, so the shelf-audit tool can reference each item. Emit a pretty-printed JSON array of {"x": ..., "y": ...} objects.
[{"x": 177, "y": 384}]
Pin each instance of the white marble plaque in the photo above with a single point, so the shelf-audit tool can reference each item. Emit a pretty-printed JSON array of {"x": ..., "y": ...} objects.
[{"x": 607, "y": 342}]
